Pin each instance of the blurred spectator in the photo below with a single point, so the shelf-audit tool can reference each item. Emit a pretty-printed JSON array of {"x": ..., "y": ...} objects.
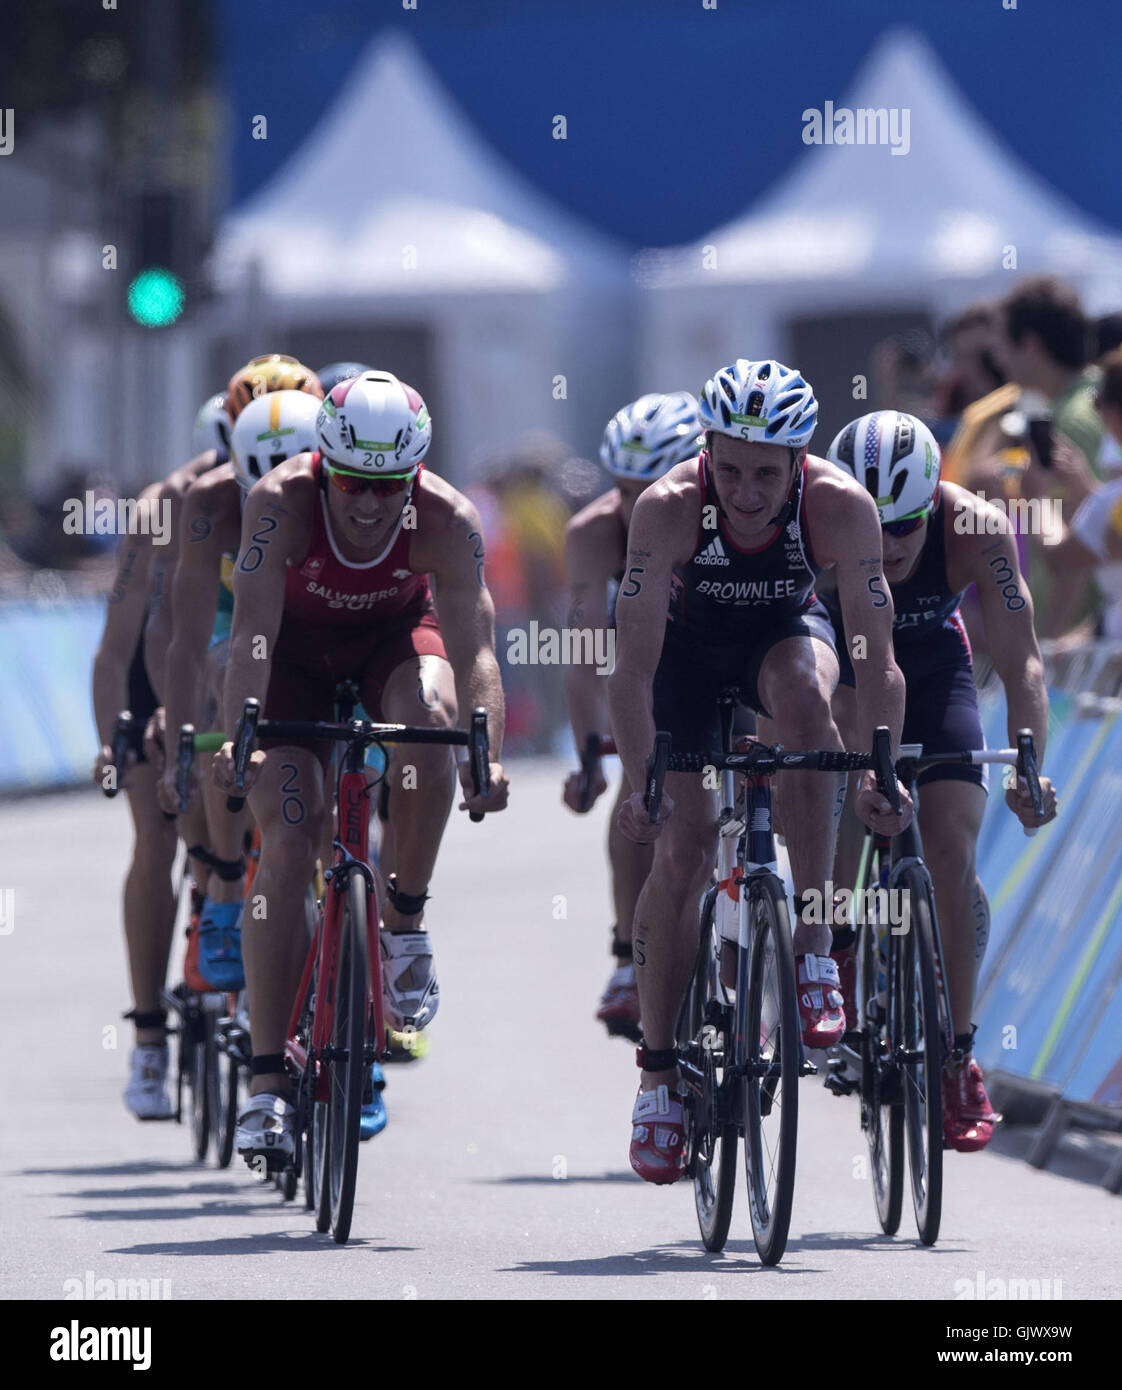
[
  {"x": 1044, "y": 347},
  {"x": 1094, "y": 543},
  {"x": 903, "y": 371},
  {"x": 35, "y": 529},
  {"x": 971, "y": 371},
  {"x": 1108, "y": 334},
  {"x": 524, "y": 512}
]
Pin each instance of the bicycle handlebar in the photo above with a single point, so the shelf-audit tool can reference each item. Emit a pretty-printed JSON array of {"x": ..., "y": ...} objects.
[
  {"x": 479, "y": 756},
  {"x": 588, "y": 760},
  {"x": 252, "y": 727},
  {"x": 658, "y": 764},
  {"x": 184, "y": 757},
  {"x": 244, "y": 736},
  {"x": 123, "y": 726},
  {"x": 1026, "y": 768}
]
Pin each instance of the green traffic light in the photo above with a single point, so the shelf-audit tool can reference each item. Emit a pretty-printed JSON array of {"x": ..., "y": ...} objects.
[{"x": 156, "y": 298}]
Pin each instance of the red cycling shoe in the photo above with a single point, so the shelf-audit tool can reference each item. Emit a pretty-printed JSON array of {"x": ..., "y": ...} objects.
[
  {"x": 658, "y": 1136},
  {"x": 820, "y": 1001},
  {"x": 846, "y": 961},
  {"x": 968, "y": 1116}
]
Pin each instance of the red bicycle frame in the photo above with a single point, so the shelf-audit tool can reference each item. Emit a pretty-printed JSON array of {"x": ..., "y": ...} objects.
[{"x": 352, "y": 844}]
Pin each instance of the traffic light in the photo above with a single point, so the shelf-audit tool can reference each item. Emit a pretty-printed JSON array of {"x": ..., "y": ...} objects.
[
  {"x": 156, "y": 297},
  {"x": 157, "y": 293}
]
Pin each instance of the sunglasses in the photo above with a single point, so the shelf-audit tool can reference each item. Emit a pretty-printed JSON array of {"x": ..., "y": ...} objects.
[
  {"x": 906, "y": 526},
  {"x": 353, "y": 484}
]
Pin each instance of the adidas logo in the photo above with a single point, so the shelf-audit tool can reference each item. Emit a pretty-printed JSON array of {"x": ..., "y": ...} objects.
[{"x": 713, "y": 554}]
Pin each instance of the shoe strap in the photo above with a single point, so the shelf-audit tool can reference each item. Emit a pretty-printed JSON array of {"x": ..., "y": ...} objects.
[{"x": 396, "y": 945}]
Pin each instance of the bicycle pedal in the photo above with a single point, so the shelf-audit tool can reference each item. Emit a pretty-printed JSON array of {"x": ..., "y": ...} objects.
[
  {"x": 808, "y": 1068},
  {"x": 839, "y": 1085}
]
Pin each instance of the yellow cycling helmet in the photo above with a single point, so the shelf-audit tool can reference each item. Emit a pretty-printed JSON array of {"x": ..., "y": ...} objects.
[{"x": 272, "y": 372}]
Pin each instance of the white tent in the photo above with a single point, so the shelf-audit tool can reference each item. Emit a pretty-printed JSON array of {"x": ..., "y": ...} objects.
[
  {"x": 859, "y": 225},
  {"x": 394, "y": 210}
]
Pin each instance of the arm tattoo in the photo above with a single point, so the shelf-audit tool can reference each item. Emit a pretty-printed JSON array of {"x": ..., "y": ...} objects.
[
  {"x": 477, "y": 553},
  {"x": 201, "y": 528},
  {"x": 1006, "y": 581},
  {"x": 634, "y": 581},
  {"x": 117, "y": 593},
  {"x": 254, "y": 555}
]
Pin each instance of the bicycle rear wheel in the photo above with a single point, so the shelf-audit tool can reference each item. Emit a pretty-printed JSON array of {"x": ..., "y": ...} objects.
[
  {"x": 347, "y": 1068},
  {"x": 882, "y": 1112},
  {"x": 922, "y": 1069},
  {"x": 201, "y": 1026},
  {"x": 712, "y": 1135},
  {"x": 767, "y": 1009}
]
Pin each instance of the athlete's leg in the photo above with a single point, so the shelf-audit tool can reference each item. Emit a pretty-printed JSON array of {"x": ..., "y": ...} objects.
[
  {"x": 796, "y": 680},
  {"x": 630, "y": 865},
  {"x": 851, "y": 832},
  {"x": 422, "y": 691},
  {"x": 149, "y": 897},
  {"x": 950, "y": 816},
  {"x": 287, "y": 802},
  {"x": 664, "y": 937}
]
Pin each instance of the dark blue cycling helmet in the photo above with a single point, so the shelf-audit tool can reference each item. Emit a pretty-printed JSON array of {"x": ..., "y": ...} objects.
[{"x": 330, "y": 377}]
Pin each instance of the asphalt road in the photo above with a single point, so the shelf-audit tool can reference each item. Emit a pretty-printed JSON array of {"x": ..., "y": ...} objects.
[{"x": 503, "y": 1172}]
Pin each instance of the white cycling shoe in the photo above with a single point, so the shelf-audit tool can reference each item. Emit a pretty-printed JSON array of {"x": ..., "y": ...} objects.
[
  {"x": 266, "y": 1131},
  {"x": 409, "y": 977},
  {"x": 146, "y": 1095}
]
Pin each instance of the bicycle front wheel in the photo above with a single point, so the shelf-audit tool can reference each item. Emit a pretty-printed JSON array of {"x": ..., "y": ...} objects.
[
  {"x": 771, "y": 1054},
  {"x": 882, "y": 1111},
  {"x": 712, "y": 1137},
  {"x": 922, "y": 1068},
  {"x": 347, "y": 1068}
]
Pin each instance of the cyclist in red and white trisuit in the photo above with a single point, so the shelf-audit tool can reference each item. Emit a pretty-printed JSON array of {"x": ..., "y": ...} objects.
[
  {"x": 722, "y": 557},
  {"x": 642, "y": 441},
  {"x": 332, "y": 582},
  {"x": 938, "y": 540}
]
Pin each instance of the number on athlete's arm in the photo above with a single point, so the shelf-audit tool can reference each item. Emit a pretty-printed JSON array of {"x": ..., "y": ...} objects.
[{"x": 633, "y": 582}]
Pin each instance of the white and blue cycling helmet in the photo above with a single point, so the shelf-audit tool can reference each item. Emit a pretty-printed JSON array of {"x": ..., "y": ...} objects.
[
  {"x": 647, "y": 438},
  {"x": 762, "y": 402}
]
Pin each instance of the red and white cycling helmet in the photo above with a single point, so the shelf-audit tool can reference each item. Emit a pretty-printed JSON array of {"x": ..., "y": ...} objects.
[
  {"x": 647, "y": 438},
  {"x": 374, "y": 424},
  {"x": 270, "y": 429}
]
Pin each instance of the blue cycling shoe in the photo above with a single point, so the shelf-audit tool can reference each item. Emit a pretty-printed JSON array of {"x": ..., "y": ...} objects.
[
  {"x": 374, "y": 1116},
  {"x": 220, "y": 945}
]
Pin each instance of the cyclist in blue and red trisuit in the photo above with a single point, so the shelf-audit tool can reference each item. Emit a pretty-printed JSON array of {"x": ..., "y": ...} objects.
[
  {"x": 938, "y": 540},
  {"x": 723, "y": 553}
]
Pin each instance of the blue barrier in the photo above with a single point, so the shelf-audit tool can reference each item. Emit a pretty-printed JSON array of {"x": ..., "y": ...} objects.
[{"x": 47, "y": 736}]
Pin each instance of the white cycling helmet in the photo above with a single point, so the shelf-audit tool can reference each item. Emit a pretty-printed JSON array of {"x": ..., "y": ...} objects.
[
  {"x": 374, "y": 423},
  {"x": 763, "y": 402},
  {"x": 270, "y": 429},
  {"x": 212, "y": 426},
  {"x": 647, "y": 438},
  {"x": 895, "y": 459}
]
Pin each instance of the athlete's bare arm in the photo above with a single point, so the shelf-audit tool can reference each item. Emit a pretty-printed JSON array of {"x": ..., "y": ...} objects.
[
  {"x": 844, "y": 530},
  {"x": 124, "y": 622},
  {"x": 210, "y": 519},
  {"x": 662, "y": 532},
  {"x": 595, "y": 551},
  {"x": 450, "y": 548},
  {"x": 276, "y": 529},
  {"x": 977, "y": 555},
  {"x": 157, "y": 635}
]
